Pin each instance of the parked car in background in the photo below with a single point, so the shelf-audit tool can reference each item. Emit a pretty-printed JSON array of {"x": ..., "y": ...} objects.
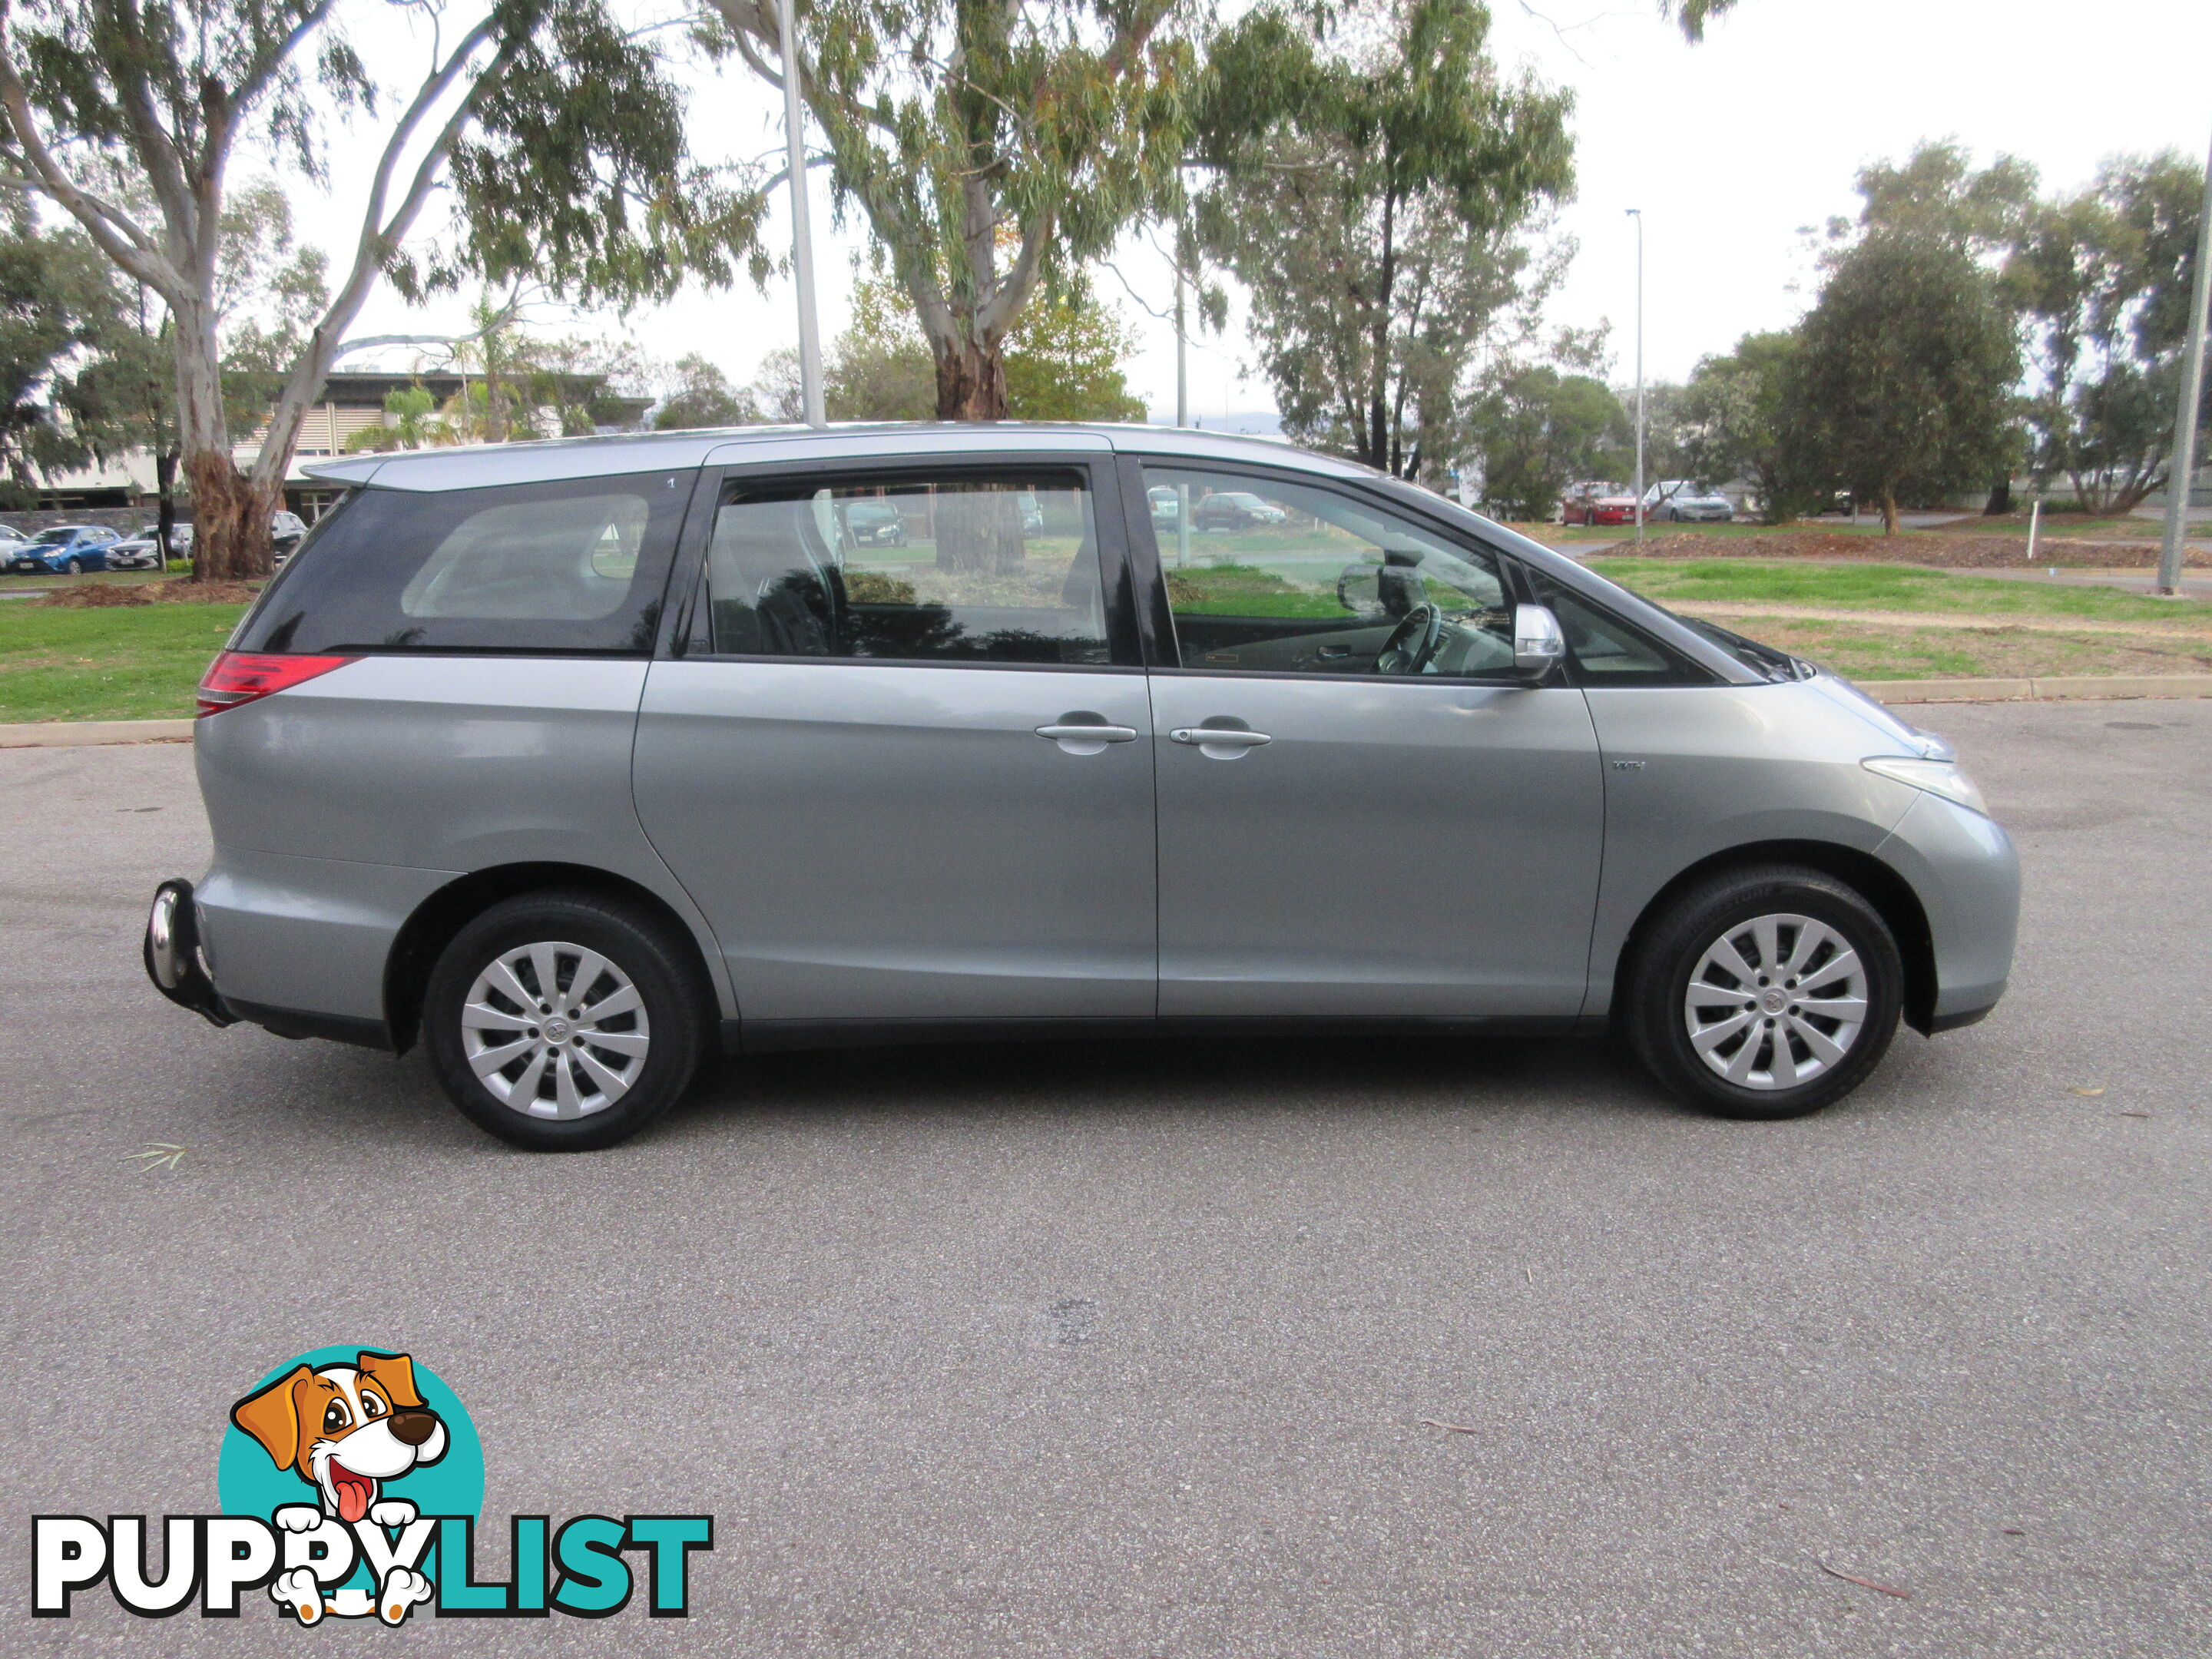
[
  {"x": 10, "y": 539},
  {"x": 1595, "y": 501},
  {"x": 286, "y": 532},
  {"x": 875, "y": 524},
  {"x": 1166, "y": 505},
  {"x": 1233, "y": 509},
  {"x": 144, "y": 551},
  {"x": 1681, "y": 500},
  {"x": 67, "y": 550},
  {"x": 525, "y": 762}
]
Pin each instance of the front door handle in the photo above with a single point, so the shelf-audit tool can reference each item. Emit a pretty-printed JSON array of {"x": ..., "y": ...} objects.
[
  {"x": 1088, "y": 737},
  {"x": 1219, "y": 742}
]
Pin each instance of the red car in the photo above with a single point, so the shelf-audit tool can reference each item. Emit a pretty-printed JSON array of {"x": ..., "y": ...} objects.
[{"x": 1597, "y": 502}]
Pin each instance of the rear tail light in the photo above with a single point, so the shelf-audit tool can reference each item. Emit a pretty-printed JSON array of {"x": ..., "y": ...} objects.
[{"x": 237, "y": 677}]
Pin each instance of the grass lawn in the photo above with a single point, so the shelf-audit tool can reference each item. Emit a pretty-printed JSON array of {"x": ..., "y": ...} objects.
[
  {"x": 140, "y": 662},
  {"x": 10, "y": 582},
  {"x": 1887, "y": 651},
  {"x": 1886, "y": 587},
  {"x": 1614, "y": 532}
]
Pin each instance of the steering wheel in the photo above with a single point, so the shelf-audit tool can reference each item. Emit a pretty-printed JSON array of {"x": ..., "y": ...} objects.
[{"x": 1412, "y": 643}]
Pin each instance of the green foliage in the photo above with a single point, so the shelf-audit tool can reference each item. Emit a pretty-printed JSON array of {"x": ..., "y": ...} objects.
[
  {"x": 703, "y": 396},
  {"x": 575, "y": 172},
  {"x": 2103, "y": 278},
  {"x": 992, "y": 147},
  {"x": 1063, "y": 361},
  {"x": 56, "y": 301},
  {"x": 1936, "y": 192},
  {"x": 1733, "y": 422},
  {"x": 1538, "y": 430},
  {"x": 1900, "y": 386},
  {"x": 1373, "y": 199}
]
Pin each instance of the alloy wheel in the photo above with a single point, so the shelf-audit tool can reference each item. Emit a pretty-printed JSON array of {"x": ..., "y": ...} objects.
[
  {"x": 1776, "y": 1001},
  {"x": 554, "y": 1030}
]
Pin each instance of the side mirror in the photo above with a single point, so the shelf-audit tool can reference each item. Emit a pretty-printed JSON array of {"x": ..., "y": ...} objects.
[{"x": 1538, "y": 642}]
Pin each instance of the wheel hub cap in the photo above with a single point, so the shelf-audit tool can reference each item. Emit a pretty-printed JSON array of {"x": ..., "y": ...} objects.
[
  {"x": 1776, "y": 1001},
  {"x": 565, "y": 1064}
]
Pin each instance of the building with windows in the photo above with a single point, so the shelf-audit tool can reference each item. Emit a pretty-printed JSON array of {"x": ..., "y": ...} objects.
[{"x": 353, "y": 403}]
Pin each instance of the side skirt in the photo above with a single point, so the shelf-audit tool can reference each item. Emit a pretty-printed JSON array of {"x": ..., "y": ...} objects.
[{"x": 787, "y": 1035}]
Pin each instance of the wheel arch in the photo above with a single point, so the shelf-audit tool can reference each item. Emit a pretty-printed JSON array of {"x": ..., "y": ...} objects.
[
  {"x": 435, "y": 922},
  {"x": 1890, "y": 894}
]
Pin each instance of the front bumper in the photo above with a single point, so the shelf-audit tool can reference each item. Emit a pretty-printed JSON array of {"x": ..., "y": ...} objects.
[{"x": 1963, "y": 869}]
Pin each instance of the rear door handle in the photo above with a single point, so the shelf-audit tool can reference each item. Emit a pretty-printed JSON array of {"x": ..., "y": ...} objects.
[
  {"x": 1086, "y": 737},
  {"x": 1089, "y": 733}
]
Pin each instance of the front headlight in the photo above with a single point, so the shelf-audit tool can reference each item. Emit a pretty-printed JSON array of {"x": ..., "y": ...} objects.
[{"x": 1937, "y": 777}]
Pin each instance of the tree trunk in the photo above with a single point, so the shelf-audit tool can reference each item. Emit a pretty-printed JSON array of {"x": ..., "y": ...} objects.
[
  {"x": 1889, "y": 512},
  {"x": 2000, "y": 501},
  {"x": 165, "y": 517},
  {"x": 971, "y": 381},
  {"x": 230, "y": 512},
  {"x": 979, "y": 529},
  {"x": 230, "y": 520}
]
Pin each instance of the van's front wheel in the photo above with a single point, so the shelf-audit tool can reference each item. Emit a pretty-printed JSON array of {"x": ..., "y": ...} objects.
[
  {"x": 564, "y": 1022},
  {"x": 1765, "y": 993}
]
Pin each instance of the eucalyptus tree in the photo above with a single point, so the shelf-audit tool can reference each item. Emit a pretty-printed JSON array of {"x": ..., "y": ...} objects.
[
  {"x": 992, "y": 146},
  {"x": 560, "y": 137},
  {"x": 2104, "y": 276},
  {"x": 1899, "y": 387},
  {"x": 1373, "y": 185}
]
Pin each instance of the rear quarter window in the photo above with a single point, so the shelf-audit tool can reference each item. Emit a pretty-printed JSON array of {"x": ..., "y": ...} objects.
[{"x": 574, "y": 567}]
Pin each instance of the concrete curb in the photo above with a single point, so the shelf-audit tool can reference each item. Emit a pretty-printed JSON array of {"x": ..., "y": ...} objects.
[
  {"x": 72, "y": 734},
  {"x": 2055, "y": 689}
]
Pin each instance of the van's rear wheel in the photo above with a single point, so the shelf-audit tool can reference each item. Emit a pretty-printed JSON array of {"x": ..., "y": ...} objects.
[
  {"x": 1765, "y": 993},
  {"x": 565, "y": 1022}
]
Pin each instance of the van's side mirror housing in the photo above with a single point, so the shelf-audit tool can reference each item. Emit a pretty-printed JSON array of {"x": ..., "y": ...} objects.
[{"x": 1538, "y": 641}]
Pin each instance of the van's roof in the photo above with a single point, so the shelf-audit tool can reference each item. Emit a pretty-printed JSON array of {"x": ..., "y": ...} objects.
[{"x": 473, "y": 466}]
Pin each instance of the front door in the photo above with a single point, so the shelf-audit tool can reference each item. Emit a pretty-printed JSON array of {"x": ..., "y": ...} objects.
[
  {"x": 903, "y": 763},
  {"x": 1362, "y": 810}
]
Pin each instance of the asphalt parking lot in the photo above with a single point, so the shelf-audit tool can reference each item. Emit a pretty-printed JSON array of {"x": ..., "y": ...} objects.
[{"x": 1123, "y": 1352}]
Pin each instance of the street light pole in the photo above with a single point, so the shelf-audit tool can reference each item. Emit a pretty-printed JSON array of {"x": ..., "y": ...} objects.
[
  {"x": 2182, "y": 468},
  {"x": 802, "y": 232},
  {"x": 1636, "y": 213}
]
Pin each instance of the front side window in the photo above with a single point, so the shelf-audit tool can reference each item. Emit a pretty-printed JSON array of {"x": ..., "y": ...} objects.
[
  {"x": 572, "y": 568},
  {"x": 955, "y": 568},
  {"x": 1273, "y": 576}
]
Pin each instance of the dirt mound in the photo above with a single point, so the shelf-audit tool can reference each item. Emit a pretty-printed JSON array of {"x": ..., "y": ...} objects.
[
  {"x": 93, "y": 596},
  {"x": 186, "y": 591},
  {"x": 1952, "y": 552},
  {"x": 90, "y": 596}
]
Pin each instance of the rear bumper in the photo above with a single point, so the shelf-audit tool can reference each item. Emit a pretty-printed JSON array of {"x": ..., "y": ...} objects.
[{"x": 300, "y": 944}]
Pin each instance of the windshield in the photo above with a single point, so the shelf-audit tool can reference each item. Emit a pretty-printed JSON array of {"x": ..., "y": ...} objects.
[{"x": 55, "y": 538}]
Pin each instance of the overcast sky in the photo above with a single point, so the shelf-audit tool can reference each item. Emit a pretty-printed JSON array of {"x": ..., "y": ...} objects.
[{"x": 1729, "y": 147}]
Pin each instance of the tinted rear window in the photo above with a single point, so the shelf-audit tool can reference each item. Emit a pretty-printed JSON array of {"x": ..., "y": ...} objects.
[{"x": 565, "y": 568}]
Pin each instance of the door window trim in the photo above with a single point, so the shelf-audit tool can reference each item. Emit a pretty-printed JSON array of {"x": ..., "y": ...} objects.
[
  {"x": 1522, "y": 583},
  {"x": 684, "y": 636},
  {"x": 1163, "y": 648}
]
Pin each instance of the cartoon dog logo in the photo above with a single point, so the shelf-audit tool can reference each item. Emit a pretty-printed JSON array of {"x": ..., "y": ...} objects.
[{"x": 346, "y": 1430}]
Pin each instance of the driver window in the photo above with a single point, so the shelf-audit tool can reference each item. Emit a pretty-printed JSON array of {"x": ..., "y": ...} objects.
[{"x": 1270, "y": 576}]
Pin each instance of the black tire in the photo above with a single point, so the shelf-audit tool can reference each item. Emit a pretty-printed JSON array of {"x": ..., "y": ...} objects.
[
  {"x": 658, "y": 960},
  {"x": 74, "y": 567},
  {"x": 1671, "y": 949}
]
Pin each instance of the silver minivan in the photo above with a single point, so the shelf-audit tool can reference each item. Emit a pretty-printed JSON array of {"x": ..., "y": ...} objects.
[{"x": 581, "y": 762}]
